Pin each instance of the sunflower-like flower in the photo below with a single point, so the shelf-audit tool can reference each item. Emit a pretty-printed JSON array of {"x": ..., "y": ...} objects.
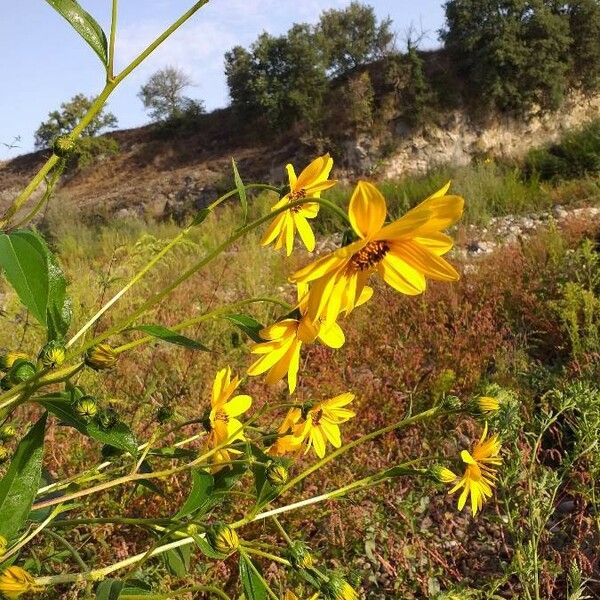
[
  {"x": 404, "y": 252},
  {"x": 323, "y": 423},
  {"x": 224, "y": 427},
  {"x": 309, "y": 184},
  {"x": 479, "y": 475},
  {"x": 280, "y": 353}
]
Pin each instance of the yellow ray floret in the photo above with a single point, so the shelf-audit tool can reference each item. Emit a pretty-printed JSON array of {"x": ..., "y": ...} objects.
[
  {"x": 309, "y": 184},
  {"x": 404, "y": 253},
  {"x": 479, "y": 475}
]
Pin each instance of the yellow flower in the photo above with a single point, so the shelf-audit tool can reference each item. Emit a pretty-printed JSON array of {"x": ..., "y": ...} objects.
[
  {"x": 403, "y": 252},
  {"x": 15, "y": 581},
  {"x": 487, "y": 404},
  {"x": 224, "y": 427},
  {"x": 290, "y": 434},
  {"x": 311, "y": 182},
  {"x": 280, "y": 354},
  {"x": 323, "y": 421},
  {"x": 479, "y": 476}
]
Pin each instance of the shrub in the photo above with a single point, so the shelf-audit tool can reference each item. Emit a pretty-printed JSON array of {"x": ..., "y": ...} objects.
[
  {"x": 90, "y": 150},
  {"x": 576, "y": 155}
]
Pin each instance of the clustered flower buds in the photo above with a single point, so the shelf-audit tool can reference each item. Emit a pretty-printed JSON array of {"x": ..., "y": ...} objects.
[
  {"x": 102, "y": 356},
  {"x": 15, "y": 581},
  {"x": 223, "y": 539}
]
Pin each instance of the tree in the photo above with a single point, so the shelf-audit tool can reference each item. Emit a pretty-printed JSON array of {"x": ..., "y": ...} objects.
[
  {"x": 584, "y": 19},
  {"x": 280, "y": 77},
  {"x": 351, "y": 37},
  {"x": 162, "y": 95},
  {"x": 63, "y": 121},
  {"x": 513, "y": 54}
]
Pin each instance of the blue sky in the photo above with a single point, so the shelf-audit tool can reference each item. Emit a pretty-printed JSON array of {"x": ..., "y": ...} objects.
[{"x": 44, "y": 62}]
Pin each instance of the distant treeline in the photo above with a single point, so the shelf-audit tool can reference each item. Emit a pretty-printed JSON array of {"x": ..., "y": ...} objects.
[{"x": 347, "y": 73}]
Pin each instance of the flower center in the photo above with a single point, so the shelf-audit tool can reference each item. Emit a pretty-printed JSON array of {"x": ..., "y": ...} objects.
[
  {"x": 369, "y": 256},
  {"x": 316, "y": 417},
  {"x": 221, "y": 415},
  {"x": 297, "y": 195}
]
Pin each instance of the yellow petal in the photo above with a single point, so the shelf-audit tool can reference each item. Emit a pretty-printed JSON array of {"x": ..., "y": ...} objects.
[
  {"x": 444, "y": 212},
  {"x": 367, "y": 209},
  {"x": 237, "y": 405},
  {"x": 326, "y": 264},
  {"x": 222, "y": 379},
  {"x": 317, "y": 170},
  {"x": 332, "y": 432},
  {"x": 424, "y": 261},
  {"x": 441, "y": 192},
  {"x": 332, "y": 335},
  {"x": 279, "y": 330},
  {"x": 267, "y": 361},
  {"x": 274, "y": 230},
  {"x": 282, "y": 365},
  {"x": 314, "y": 190},
  {"x": 291, "y": 175},
  {"x": 306, "y": 233},
  {"x": 293, "y": 368},
  {"x": 318, "y": 442},
  {"x": 467, "y": 458},
  {"x": 401, "y": 276},
  {"x": 436, "y": 242}
]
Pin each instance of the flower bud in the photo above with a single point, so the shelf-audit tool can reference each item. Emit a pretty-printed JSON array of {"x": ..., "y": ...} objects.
[
  {"x": 277, "y": 474},
  {"x": 3, "y": 546},
  {"x": 7, "y": 432},
  {"x": 52, "y": 354},
  {"x": 86, "y": 407},
  {"x": 102, "y": 356},
  {"x": 300, "y": 555},
  {"x": 451, "y": 403},
  {"x": 8, "y": 360},
  {"x": 4, "y": 454},
  {"x": 442, "y": 474},
  {"x": 164, "y": 414},
  {"x": 487, "y": 404},
  {"x": 191, "y": 529},
  {"x": 63, "y": 146},
  {"x": 15, "y": 581},
  {"x": 21, "y": 371},
  {"x": 337, "y": 588},
  {"x": 223, "y": 539}
]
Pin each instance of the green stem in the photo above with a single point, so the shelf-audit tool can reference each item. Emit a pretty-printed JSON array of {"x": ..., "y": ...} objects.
[
  {"x": 93, "y": 111},
  {"x": 268, "y": 555},
  {"x": 209, "y": 589},
  {"x": 69, "y": 547},
  {"x": 154, "y": 300},
  {"x": 111, "y": 45}
]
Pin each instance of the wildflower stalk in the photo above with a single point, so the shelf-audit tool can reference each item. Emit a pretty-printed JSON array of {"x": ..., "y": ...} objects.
[
  {"x": 111, "y": 43},
  {"x": 157, "y": 298},
  {"x": 140, "y": 274},
  {"x": 97, "y": 105}
]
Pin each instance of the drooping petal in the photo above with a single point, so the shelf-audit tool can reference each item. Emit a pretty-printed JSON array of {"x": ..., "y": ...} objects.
[
  {"x": 401, "y": 276},
  {"x": 289, "y": 234},
  {"x": 293, "y": 368},
  {"x": 279, "y": 330},
  {"x": 424, "y": 261},
  {"x": 222, "y": 379},
  {"x": 306, "y": 233},
  {"x": 265, "y": 362},
  {"x": 332, "y": 432},
  {"x": 282, "y": 366},
  {"x": 318, "y": 442},
  {"x": 273, "y": 230},
  {"x": 326, "y": 264},
  {"x": 367, "y": 209},
  {"x": 332, "y": 335}
]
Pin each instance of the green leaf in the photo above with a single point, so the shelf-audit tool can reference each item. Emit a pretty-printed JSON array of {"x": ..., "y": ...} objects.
[
  {"x": 239, "y": 184},
  {"x": 250, "y": 326},
  {"x": 84, "y": 24},
  {"x": 166, "y": 335},
  {"x": 199, "y": 498},
  {"x": 118, "y": 435},
  {"x": 178, "y": 560},
  {"x": 19, "y": 486},
  {"x": 38, "y": 280},
  {"x": 110, "y": 589},
  {"x": 201, "y": 216},
  {"x": 254, "y": 588}
]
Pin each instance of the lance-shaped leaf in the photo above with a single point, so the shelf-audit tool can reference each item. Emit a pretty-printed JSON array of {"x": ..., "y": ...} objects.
[
  {"x": 84, "y": 24},
  {"x": 249, "y": 325},
  {"x": 171, "y": 337},
  {"x": 21, "y": 482},
  {"x": 199, "y": 499},
  {"x": 241, "y": 190},
  {"x": 37, "y": 278},
  {"x": 252, "y": 583}
]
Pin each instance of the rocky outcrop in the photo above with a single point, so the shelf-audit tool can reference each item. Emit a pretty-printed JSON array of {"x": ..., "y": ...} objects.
[{"x": 456, "y": 139}]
